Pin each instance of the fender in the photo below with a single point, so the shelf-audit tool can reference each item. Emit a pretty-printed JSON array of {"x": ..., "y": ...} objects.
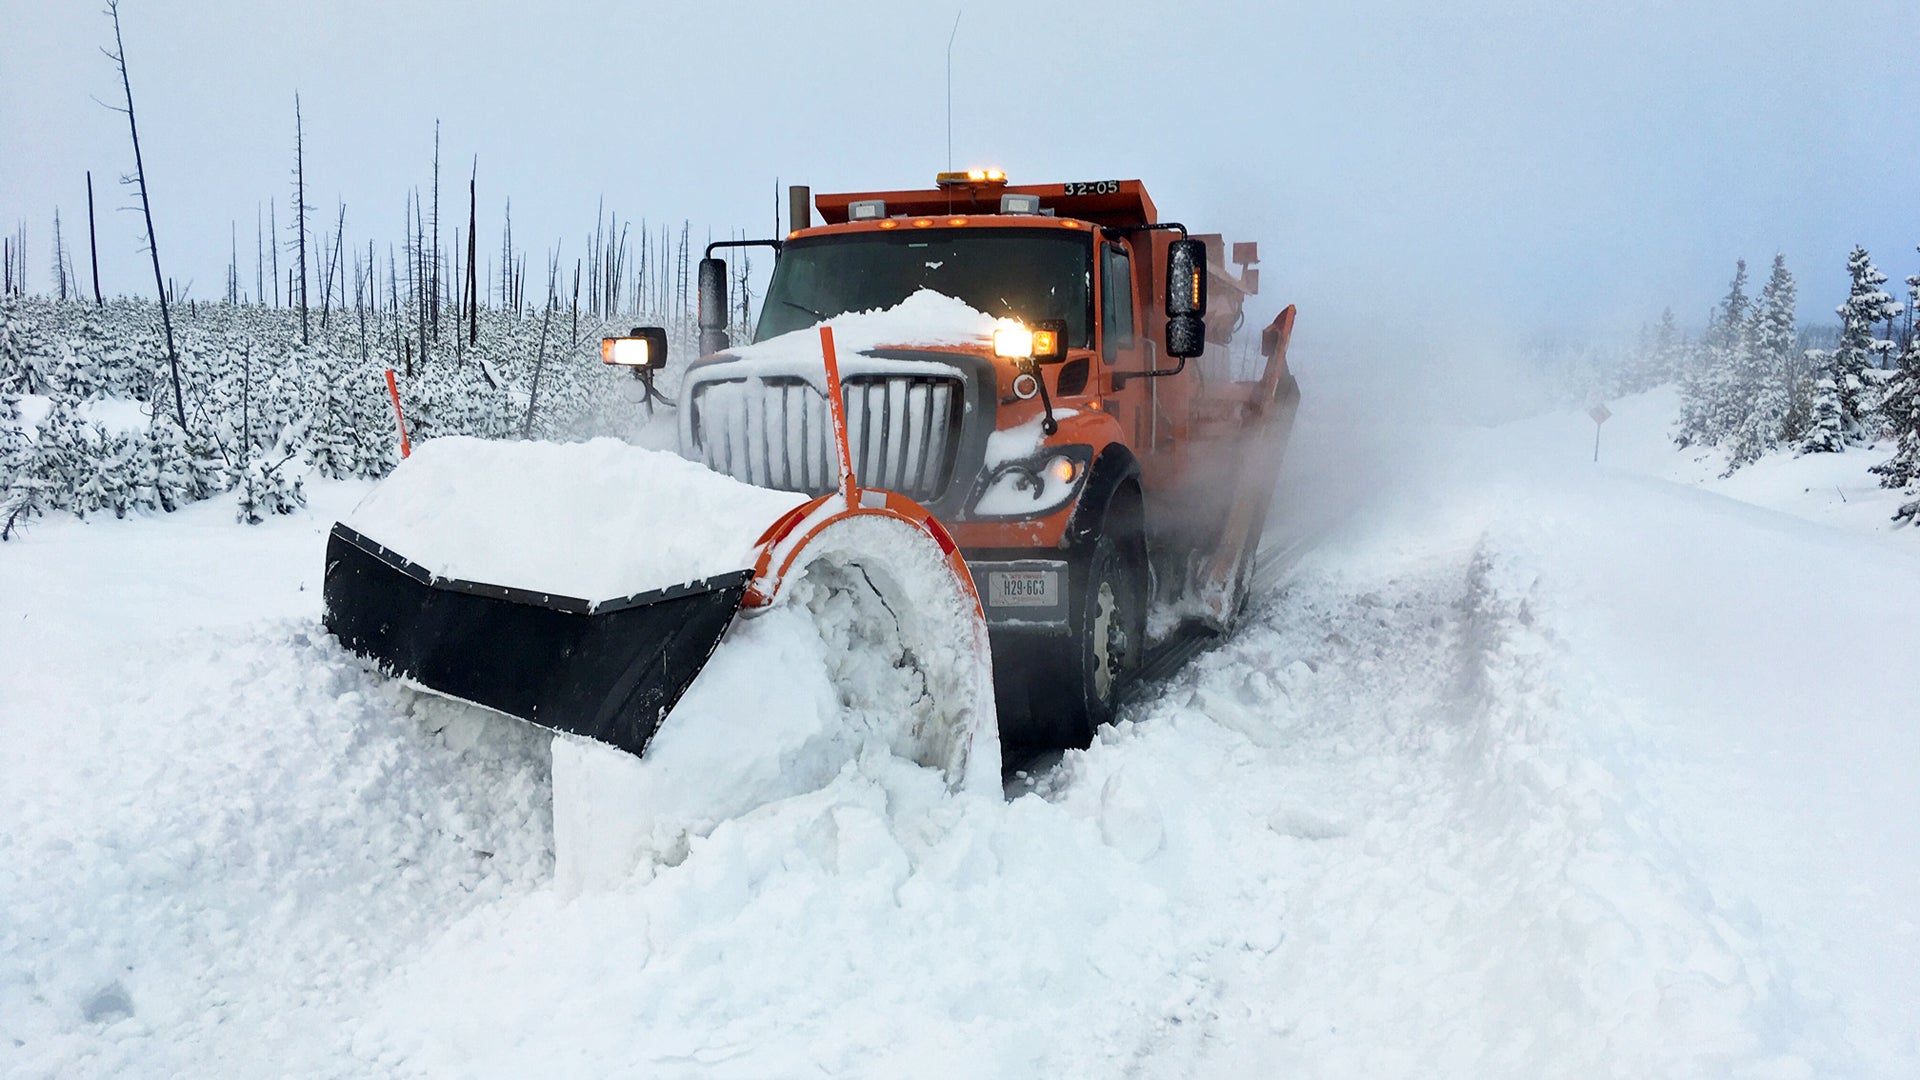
[{"x": 1112, "y": 468}]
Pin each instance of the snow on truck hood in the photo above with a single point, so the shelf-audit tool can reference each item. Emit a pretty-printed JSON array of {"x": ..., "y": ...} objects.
[
  {"x": 926, "y": 318},
  {"x": 595, "y": 520}
]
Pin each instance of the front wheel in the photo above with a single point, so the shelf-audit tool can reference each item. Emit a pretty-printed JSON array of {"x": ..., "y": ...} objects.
[{"x": 1111, "y": 631}]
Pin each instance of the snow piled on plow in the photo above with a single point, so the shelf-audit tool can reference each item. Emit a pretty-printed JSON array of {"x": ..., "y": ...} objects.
[{"x": 596, "y": 520}]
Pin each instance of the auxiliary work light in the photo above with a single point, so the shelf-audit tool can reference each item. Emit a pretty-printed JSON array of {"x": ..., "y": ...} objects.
[
  {"x": 646, "y": 347},
  {"x": 1013, "y": 342}
]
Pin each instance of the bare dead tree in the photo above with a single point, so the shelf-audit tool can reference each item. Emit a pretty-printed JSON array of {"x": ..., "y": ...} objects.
[
  {"x": 139, "y": 183},
  {"x": 273, "y": 250},
  {"x": 259, "y": 262},
  {"x": 59, "y": 260},
  {"x": 300, "y": 211},
  {"x": 506, "y": 258},
  {"x": 420, "y": 275},
  {"x": 233, "y": 262},
  {"x": 435, "y": 303},
  {"x": 93, "y": 243},
  {"x": 473, "y": 276},
  {"x": 597, "y": 259},
  {"x": 360, "y": 302},
  {"x": 393, "y": 303},
  {"x": 336, "y": 267},
  {"x": 540, "y": 354}
]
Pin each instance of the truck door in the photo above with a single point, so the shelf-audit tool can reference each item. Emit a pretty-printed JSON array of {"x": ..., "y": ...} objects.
[{"x": 1120, "y": 347}]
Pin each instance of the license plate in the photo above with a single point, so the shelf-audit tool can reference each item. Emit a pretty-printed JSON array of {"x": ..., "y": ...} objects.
[{"x": 1023, "y": 588}]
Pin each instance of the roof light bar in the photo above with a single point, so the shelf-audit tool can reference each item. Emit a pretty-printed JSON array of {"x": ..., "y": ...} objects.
[{"x": 971, "y": 177}]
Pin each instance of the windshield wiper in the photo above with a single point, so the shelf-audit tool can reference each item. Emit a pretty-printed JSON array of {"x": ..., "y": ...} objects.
[{"x": 822, "y": 316}]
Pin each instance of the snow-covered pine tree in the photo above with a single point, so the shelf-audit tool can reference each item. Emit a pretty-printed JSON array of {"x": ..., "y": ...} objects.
[
  {"x": 1669, "y": 349},
  {"x": 1900, "y": 411},
  {"x": 273, "y": 482},
  {"x": 24, "y": 346},
  {"x": 1765, "y": 370},
  {"x": 1867, "y": 305},
  {"x": 1825, "y": 430},
  {"x": 1648, "y": 364},
  {"x": 16, "y": 500},
  {"x": 1709, "y": 396},
  {"x": 176, "y": 474}
]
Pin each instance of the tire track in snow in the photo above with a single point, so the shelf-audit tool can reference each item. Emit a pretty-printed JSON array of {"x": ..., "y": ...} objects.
[{"x": 1466, "y": 883}]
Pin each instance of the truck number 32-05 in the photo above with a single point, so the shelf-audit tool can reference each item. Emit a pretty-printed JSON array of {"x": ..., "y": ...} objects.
[{"x": 1094, "y": 187}]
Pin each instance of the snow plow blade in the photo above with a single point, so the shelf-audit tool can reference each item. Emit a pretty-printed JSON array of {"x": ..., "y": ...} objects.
[{"x": 608, "y": 670}]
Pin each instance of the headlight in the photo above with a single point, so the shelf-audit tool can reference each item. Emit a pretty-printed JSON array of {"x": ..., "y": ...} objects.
[{"x": 1034, "y": 487}]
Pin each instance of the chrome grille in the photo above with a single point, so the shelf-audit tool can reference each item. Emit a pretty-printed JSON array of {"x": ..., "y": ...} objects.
[{"x": 904, "y": 431}]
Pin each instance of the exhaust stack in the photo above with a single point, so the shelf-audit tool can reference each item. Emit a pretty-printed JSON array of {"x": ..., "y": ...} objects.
[{"x": 799, "y": 206}]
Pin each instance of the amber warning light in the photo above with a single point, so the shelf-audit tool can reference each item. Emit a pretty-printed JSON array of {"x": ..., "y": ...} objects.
[{"x": 971, "y": 176}]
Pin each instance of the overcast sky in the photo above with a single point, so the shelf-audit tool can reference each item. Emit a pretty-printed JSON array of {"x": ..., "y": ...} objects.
[{"x": 1402, "y": 164}]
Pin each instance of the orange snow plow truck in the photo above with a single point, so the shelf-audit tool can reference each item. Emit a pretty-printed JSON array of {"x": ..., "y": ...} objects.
[
  {"x": 1094, "y": 460},
  {"x": 1100, "y": 470}
]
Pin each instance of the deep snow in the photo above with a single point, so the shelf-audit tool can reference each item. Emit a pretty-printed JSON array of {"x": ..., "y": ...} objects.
[{"x": 1530, "y": 767}]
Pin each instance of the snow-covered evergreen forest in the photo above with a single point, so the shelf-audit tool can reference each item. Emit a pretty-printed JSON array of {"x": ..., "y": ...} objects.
[
  {"x": 1754, "y": 381},
  {"x": 273, "y": 392}
]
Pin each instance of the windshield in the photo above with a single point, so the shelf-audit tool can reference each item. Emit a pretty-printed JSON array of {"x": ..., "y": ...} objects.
[{"x": 1025, "y": 274}]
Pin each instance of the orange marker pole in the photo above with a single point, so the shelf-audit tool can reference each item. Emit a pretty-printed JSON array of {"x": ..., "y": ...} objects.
[
  {"x": 838, "y": 410},
  {"x": 399, "y": 421}
]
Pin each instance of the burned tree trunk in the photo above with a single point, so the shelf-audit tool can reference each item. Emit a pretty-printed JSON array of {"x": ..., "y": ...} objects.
[
  {"x": 139, "y": 182},
  {"x": 93, "y": 243},
  {"x": 300, "y": 212},
  {"x": 473, "y": 275}
]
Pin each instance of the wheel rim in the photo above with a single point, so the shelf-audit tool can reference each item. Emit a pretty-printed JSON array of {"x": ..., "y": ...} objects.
[{"x": 1106, "y": 629}]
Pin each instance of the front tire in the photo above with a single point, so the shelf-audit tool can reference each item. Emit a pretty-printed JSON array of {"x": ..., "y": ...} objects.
[{"x": 1110, "y": 632}]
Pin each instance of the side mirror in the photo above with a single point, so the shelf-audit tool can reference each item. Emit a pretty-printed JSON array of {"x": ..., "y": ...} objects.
[
  {"x": 1186, "y": 298},
  {"x": 713, "y": 306},
  {"x": 644, "y": 350}
]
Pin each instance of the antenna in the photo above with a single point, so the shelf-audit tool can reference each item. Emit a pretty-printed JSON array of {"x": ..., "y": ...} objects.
[{"x": 950, "y": 37}]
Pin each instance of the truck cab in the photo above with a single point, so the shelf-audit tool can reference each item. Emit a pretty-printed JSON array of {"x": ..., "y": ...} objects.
[{"x": 1086, "y": 449}]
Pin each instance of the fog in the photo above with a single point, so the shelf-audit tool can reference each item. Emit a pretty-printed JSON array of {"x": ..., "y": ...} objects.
[{"x": 1429, "y": 183}]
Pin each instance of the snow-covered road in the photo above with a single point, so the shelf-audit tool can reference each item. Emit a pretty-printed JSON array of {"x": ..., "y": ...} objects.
[{"x": 1529, "y": 768}]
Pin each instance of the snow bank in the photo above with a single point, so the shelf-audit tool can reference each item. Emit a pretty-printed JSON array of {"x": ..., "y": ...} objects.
[{"x": 595, "y": 520}]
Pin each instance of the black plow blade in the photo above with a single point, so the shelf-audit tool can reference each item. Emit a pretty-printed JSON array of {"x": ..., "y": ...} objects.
[{"x": 609, "y": 670}]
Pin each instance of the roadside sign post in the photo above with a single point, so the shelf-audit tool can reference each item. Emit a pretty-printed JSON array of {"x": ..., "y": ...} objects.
[{"x": 1599, "y": 414}]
